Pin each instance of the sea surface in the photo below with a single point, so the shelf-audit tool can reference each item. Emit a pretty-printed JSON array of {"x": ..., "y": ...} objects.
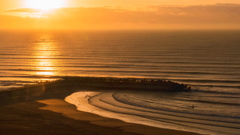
[{"x": 209, "y": 61}]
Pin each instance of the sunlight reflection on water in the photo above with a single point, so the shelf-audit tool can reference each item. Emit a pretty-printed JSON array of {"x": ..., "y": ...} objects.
[{"x": 44, "y": 51}]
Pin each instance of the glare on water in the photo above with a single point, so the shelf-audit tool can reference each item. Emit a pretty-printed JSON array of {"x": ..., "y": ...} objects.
[{"x": 44, "y": 52}]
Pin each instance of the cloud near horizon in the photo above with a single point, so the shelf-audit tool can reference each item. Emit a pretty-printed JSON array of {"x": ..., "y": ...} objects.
[{"x": 219, "y": 16}]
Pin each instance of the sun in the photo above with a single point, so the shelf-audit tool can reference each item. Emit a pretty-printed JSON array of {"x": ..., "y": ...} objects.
[{"x": 44, "y": 4}]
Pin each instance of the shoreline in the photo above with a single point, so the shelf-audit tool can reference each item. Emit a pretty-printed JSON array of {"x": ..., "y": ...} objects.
[{"x": 41, "y": 109}]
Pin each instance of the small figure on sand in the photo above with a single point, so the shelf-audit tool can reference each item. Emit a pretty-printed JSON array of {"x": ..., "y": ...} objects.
[{"x": 193, "y": 106}]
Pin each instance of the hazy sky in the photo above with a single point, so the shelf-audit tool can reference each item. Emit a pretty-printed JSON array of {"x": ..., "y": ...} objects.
[
  {"x": 120, "y": 14},
  {"x": 147, "y": 2},
  {"x": 10, "y": 4}
]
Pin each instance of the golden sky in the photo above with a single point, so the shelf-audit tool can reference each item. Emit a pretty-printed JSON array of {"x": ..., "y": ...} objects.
[
  {"x": 11, "y": 4},
  {"x": 119, "y": 14}
]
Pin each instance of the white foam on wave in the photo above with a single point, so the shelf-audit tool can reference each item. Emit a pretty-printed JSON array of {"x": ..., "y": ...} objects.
[
  {"x": 126, "y": 112},
  {"x": 82, "y": 101},
  {"x": 104, "y": 104}
]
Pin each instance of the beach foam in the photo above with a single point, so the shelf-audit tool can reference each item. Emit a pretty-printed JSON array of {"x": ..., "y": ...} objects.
[{"x": 123, "y": 106}]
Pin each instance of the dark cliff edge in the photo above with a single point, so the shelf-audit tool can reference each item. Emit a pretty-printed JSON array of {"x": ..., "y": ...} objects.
[
  {"x": 68, "y": 85},
  {"x": 126, "y": 83}
]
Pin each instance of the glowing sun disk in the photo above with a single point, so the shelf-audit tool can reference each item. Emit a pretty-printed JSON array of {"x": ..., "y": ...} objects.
[{"x": 44, "y": 4}]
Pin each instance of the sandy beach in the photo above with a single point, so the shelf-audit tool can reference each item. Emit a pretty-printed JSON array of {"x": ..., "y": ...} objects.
[{"x": 41, "y": 110}]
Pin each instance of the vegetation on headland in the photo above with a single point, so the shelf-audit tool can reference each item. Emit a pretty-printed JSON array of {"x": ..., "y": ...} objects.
[
  {"x": 113, "y": 83},
  {"x": 127, "y": 83},
  {"x": 72, "y": 84}
]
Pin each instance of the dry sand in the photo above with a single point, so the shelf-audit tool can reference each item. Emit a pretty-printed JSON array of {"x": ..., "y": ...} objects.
[{"x": 41, "y": 110}]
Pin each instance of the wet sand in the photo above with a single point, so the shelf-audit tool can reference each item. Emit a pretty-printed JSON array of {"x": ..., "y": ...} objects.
[{"x": 41, "y": 110}]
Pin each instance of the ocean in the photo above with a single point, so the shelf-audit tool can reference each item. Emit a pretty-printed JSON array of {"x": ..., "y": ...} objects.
[{"x": 209, "y": 61}]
